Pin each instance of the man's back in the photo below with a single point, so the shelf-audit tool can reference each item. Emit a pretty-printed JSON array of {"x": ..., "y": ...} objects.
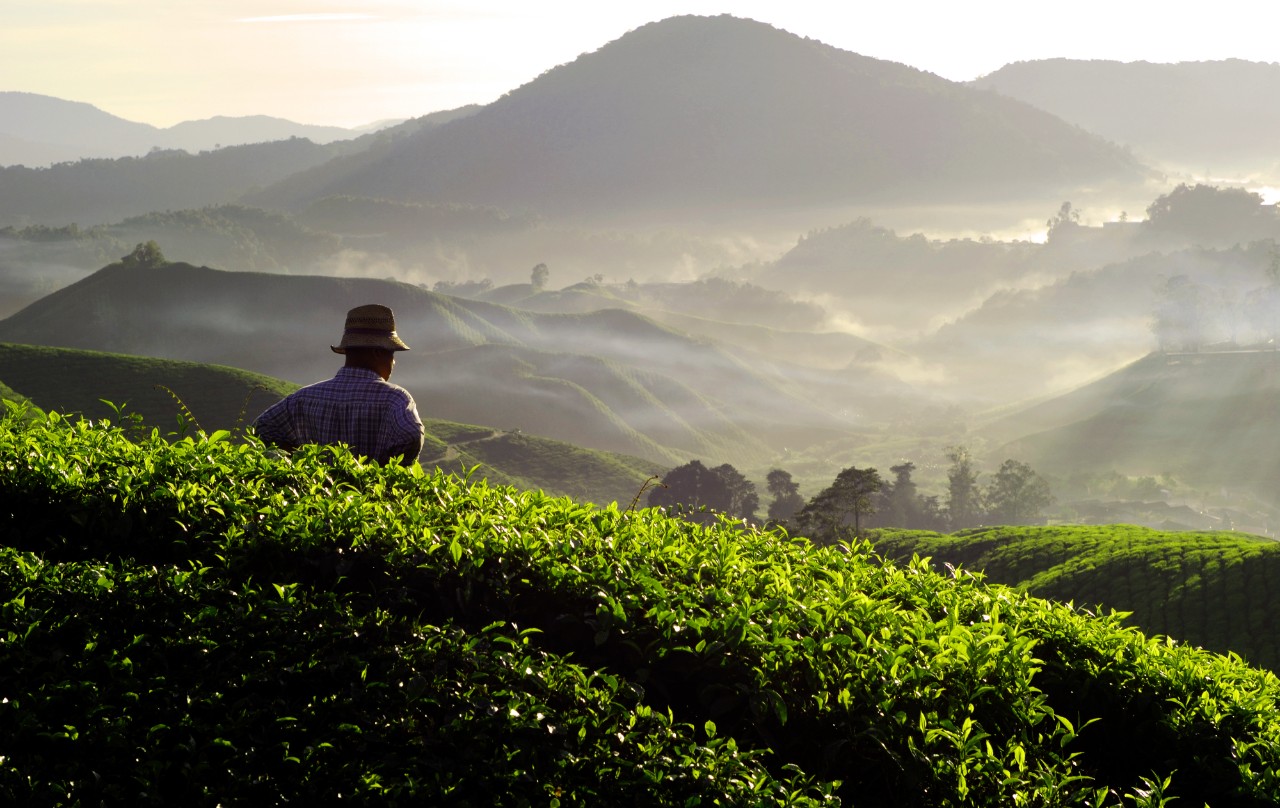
[{"x": 377, "y": 419}]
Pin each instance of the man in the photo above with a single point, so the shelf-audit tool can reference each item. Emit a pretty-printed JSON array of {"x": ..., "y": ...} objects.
[{"x": 358, "y": 407}]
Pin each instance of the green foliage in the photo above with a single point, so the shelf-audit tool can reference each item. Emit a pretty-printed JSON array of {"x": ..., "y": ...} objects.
[
  {"x": 560, "y": 469},
  {"x": 197, "y": 622},
  {"x": 146, "y": 254},
  {"x": 700, "y": 493},
  {"x": 157, "y": 390},
  {"x": 851, "y": 494},
  {"x": 1017, "y": 495},
  {"x": 964, "y": 499},
  {"x": 233, "y": 237},
  {"x": 8, "y": 394},
  {"x": 1211, "y": 589},
  {"x": 786, "y": 495}
]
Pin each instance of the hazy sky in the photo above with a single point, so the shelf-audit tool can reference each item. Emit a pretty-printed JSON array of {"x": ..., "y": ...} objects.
[{"x": 348, "y": 62}]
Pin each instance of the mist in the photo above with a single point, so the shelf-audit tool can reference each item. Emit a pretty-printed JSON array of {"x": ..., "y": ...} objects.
[{"x": 665, "y": 249}]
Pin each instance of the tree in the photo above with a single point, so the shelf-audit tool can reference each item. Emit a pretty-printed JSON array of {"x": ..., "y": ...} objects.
[
  {"x": 1182, "y": 319},
  {"x": 964, "y": 499},
  {"x": 1017, "y": 495},
  {"x": 1066, "y": 220},
  {"x": 145, "y": 255},
  {"x": 852, "y": 494},
  {"x": 786, "y": 496},
  {"x": 741, "y": 497},
  {"x": 932, "y": 516},
  {"x": 900, "y": 501},
  {"x": 1206, "y": 211},
  {"x": 1065, "y": 215},
  {"x": 538, "y": 277},
  {"x": 693, "y": 487}
]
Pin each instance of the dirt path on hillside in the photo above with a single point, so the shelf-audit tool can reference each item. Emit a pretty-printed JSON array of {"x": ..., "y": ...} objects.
[{"x": 451, "y": 453}]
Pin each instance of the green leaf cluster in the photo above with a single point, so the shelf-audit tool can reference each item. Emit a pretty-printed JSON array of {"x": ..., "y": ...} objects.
[
  {"x": 199, "y": 622},
  {"x": 1207, "y": 588}
]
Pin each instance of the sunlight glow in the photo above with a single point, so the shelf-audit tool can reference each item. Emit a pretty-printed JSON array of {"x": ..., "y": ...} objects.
[{"x": 345, "y": 17}]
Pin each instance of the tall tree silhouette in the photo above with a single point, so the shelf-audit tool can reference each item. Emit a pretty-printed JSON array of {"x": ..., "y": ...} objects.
[{"x": 850, "y": 495}]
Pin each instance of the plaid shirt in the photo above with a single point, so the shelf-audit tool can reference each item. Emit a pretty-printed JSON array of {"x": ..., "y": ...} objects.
[{"x": 377, "y": 419}]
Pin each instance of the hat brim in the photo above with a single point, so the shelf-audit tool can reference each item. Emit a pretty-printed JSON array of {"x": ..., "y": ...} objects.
[{"x": 387, "y": 342}]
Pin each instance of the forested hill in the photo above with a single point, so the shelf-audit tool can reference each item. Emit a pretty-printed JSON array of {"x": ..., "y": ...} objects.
[
  {"x": 102, "y": 191},
  {"x": 690, "y": 111}
]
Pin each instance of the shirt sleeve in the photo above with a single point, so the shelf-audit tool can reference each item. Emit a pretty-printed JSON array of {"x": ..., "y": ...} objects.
[
  {"x": 410, "y": 437},
  {"x": 275, "y": 426}
]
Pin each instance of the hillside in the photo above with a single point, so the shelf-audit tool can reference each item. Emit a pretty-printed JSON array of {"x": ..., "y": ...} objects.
[
  {"x": 1022, "y": 343},
  {"x": 692, "y": 112},
  {"x": 100, "y": 385},
  {"x": 89, "y": 192},
  {"x": 1214, "y": 590},
  {"x": 1204, "y": 116},
  {"x": 96, "y": 384},
  {"x": 530, "y": 463},
  {"x": 1208, "y": 418},
  {"x": 237, "y": 157},
  {"x": 37, "y": 130},
  {"x": 608, "y": 380},
  {"x": 9, "y": 395},
  {"x": 199, "y": 619},
  {"x": 897, "y": 284}
]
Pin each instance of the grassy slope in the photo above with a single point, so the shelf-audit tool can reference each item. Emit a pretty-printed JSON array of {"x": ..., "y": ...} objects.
[
  {"x": 1217, "y": 590},
  {"x": 1210, "y": 418},
  {"x": 197, "y": 622},
  {"x": 9, "y": 394},
  {"x": 587, "y": 475},
  {"x": 74, "y": 381},
  {"x": 204, "y": 315}
]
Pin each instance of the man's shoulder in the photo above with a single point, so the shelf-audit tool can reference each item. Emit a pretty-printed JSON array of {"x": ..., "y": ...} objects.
[
  {"x": 397, "y": 388},
  {"x": 363, "y": 383}
]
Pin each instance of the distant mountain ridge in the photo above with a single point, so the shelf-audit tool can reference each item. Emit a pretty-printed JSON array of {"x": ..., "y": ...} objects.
[
  {"x": 696, "y": 110},
  {"x": 1211, "y": 114},
  {"x": 91, "y": 192},
  {"x": 37, "y": 130}
]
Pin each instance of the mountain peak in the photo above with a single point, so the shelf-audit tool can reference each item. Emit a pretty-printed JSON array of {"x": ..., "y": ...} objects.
[{"x": 695, "y": 112}]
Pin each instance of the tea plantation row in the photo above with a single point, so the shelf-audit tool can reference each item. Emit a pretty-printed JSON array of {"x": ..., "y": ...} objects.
[
  {"x": 1209, "y": 588},
  {"x": 200, "y": 622}
]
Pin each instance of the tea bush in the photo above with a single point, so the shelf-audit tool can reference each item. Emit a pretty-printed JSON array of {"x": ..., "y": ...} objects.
[
  {"x": 1206, "y": 588},
  {"x": 201, "y": 622}
]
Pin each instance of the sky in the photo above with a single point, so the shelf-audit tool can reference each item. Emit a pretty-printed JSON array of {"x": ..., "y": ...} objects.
[{"x": 349, "y": 63}]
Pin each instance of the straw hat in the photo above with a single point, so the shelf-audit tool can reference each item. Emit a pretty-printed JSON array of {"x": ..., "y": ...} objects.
[{"x": 370, "y": 326}]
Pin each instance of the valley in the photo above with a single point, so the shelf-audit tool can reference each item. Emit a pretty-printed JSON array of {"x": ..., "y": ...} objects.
[
  {"x": 625, "y": 272},
  {"x": 801, "y": 427}
]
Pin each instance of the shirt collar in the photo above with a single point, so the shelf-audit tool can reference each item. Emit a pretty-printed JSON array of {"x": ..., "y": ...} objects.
[{"x": 358, "y": 373}]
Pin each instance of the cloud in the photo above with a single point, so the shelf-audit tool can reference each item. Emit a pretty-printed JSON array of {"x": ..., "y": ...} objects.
[{"x": 327, "y": 17}]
